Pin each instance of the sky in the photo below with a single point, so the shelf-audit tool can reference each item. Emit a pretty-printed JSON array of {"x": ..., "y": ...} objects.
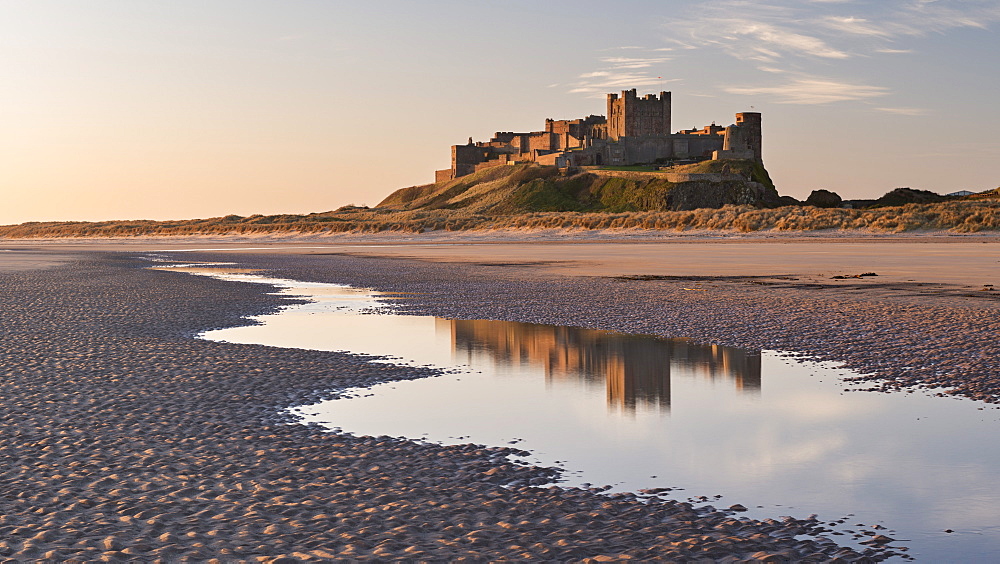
[{"x": 171, "y": 109}]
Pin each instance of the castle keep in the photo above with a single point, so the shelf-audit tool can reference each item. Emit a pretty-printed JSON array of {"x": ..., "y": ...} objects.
[{"x": 635, "y": 131}]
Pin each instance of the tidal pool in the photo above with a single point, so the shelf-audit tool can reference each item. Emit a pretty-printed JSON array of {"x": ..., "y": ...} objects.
[{"x": 778, "y": 434}]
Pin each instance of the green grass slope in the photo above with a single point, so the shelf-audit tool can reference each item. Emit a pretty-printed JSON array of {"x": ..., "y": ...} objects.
[{"x": 532, "y": 188}]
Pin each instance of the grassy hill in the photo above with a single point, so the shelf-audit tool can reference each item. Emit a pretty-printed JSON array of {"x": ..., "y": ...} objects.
[{"x": 530, "y": 188}]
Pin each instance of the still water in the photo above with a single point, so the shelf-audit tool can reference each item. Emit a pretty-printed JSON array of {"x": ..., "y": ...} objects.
[{"x": 777, "y": 434}]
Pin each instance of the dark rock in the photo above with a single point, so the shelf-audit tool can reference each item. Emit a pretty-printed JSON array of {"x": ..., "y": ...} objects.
[
  {"x": 824, "y": 199},
  {"x": 701, "y": 194},
  {"x": 898, "y": 197},
  {"x": 903, "y": 196}
]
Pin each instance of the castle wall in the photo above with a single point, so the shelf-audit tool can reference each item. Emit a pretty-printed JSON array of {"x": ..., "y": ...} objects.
[
  {"x": 732, "y": 154},
  {"x": 676, "y": 177},
  {"x": 464, "y": 169},
  {"x": 707, "y": 130},
  {"x": 565, "y": 133},
  {"x": 468, "y": 155},
  {"x": 636, "y": 131},
  {"x": 561, "y": 126},
  {"x": 590, "y": 156},
  {"x": 689, "y": 146},
  {"x": 464, "y": 158},
  {"x": 646, "y": 149},
  {"x": 551, "y": 159},
  {"x": 569, "y": 141},
  {"x": 540, "y": 141},
  {"x": 504, "y": 137},
  {"x": 681, "y": 147}
]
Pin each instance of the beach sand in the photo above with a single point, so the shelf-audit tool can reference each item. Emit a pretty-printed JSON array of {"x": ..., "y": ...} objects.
[
  {"x": 125, "y": 438},
  {"x": 12, "y": 260}
]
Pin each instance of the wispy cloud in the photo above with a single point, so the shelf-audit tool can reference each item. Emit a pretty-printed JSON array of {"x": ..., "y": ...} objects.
[
  {"x": 766, "y": 42},
  {"x": 919, "y": 17},
  {"x": 802, "y": 50},
  {"x": 810, "y": 43},
  {"x": 822, "y": 29},
  {"x": 598, "y": 86},
  {"x": 624, "y": 48},
  {"x": 634, "y": 62},
  {"x": 851, "y": 25},
  {"x": 811, "y": 90},
  {"x": 905, "y": 111},
  {"x": 617, "y": 73}
]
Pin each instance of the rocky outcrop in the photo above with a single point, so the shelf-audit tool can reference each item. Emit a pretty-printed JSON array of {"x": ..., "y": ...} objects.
[
  {"x": 902, "y": 196},
  {"x": 824, "y": 199},
  {"x": 694, "y": 195}
]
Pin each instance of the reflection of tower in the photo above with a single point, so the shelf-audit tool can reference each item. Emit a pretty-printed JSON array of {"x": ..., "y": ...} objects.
[
  {"x": 638, "y": 374},
  {"x": 744, "y": 367},
  {"x": 635, "y": 369}
]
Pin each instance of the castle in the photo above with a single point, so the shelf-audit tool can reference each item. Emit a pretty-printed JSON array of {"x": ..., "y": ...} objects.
[{"x": 635, "y": 131}]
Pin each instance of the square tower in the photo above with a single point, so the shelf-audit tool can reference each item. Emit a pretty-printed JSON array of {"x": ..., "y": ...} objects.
[
  {"x": 631, "y": 116},
  {"x": 749, "y": 122}
]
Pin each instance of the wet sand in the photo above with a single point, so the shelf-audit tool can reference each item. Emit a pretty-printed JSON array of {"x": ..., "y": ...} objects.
[
  {"x": 125, "y": 438},
  {"x": 12, "y": 260},
  {"x": 966, "y": 261}
]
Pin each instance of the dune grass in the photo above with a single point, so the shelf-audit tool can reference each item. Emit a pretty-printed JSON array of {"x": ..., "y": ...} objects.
[{"x": 963, "y": 216}]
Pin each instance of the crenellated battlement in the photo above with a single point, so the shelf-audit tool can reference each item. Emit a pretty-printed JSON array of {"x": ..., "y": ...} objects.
[{"x": 634, "y": 95}]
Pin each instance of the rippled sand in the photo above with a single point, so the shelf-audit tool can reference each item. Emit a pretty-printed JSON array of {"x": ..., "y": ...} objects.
[{"x": 125, "y": 438}]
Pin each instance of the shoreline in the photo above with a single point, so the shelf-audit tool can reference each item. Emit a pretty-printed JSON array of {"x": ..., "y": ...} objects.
[
  {"x": 129, "y": 439},
  {"x": 502, "y": 236}
]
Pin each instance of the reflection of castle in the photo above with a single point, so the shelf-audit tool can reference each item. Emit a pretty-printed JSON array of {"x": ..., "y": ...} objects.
[{"x": 634, "y": 368}]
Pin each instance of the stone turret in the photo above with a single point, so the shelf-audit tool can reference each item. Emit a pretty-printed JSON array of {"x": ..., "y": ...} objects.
[
  {"x": 749, "y": 122},
  {"x": 742, "y": 140}
]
